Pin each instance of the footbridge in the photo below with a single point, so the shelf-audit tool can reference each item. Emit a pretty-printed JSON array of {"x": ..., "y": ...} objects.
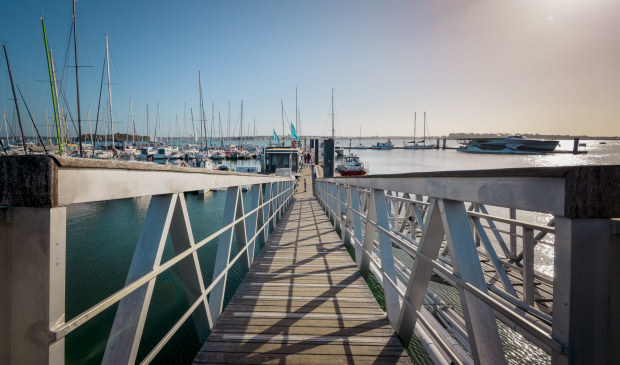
[{"x": 486, "y": 266}]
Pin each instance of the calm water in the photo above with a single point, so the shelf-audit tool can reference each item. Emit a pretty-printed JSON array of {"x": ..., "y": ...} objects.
[{"x": 101, "y": 239}]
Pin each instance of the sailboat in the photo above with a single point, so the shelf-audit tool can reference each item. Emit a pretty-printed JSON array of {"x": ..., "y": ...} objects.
[
  {"x": 418, "y": 145},
  {"x": 360, "y": 146},
  {"x": 337, "y": 148}
]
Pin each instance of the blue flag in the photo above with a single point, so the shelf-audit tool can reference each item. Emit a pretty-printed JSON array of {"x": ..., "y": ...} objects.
[
  {"x": 275, "y": 137},
  {"x": 294, "y": 132}
]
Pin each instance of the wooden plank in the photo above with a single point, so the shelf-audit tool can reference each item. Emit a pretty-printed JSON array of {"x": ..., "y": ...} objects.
[
  {"x": 303, "y": 301},
  {"x": 303, "y": 330},
  {"x": 303, "y": 348},
  {"x": 255, "y": 358}
]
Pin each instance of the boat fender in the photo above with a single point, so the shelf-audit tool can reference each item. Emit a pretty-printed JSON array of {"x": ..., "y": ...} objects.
[{"x": 183, "y": 164}]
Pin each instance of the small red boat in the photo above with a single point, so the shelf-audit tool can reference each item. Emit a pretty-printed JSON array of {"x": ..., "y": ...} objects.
[{"x": 351, "y": 166}]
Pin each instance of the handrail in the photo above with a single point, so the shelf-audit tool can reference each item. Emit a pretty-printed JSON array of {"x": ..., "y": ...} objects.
[
  {"x": 37, "y": 190},
  {"x": 400, "y": 208},
  {"x": 63, "y": 329}
]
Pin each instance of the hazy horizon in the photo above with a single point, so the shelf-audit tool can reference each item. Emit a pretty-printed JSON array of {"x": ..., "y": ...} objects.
[{"x": 546, "y": 66}]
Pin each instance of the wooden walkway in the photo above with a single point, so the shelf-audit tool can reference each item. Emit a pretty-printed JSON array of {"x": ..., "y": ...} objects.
[{"x": 303, "y": 302}]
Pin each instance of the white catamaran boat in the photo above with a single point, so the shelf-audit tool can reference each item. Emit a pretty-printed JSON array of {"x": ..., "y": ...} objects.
[{"x": 510, "y": 145}]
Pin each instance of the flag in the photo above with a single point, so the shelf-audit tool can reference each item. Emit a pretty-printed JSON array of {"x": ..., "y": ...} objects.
[
  {"x": 294, "y": 132},
  {"x": 275, "y": 137}
]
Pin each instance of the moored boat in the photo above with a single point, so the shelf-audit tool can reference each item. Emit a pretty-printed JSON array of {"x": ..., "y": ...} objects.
[
  {"x": 418, "y": 145},
  {"x": 339, "y": 150},
  {"x": 351, "y": 166},
  {"x": 383, "y": 145},
  {"x": 510, "y": 145}
]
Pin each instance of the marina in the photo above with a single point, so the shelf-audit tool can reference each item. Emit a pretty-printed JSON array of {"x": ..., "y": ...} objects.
[
  {"x": 521, "y": 279},
  {"x": 184, "y": 189}
]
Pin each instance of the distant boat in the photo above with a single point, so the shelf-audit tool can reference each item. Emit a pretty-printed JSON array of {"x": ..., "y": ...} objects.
[
  {"x": 339, "y": 150},
  {"x": 602, "y": 142},
  {"x": 510, "y": 145},
  {"x": 383, "y": 145},
  {"x": 360, "y": 146},
  {"x": 418, "y": 145},
  {"x": 163, "y": 153}
]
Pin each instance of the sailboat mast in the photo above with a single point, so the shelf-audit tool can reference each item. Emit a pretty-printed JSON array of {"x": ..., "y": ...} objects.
[
  {"x": 228, "y": 133},
  {"x": 333, "y": 131},
  {"x": 47, "y": 126},
  {"x": 202, "y": 111},
  {"x": 212, "y": 123},
  {"x": 6, "y": 127},
  {"x": 424, "y": 138},
  {"x": 19, "y": 118},
  {"x": 282, "y": 102},
  {"x": 56, "y": 102},
  {"x": 133, "y": 125},
  {"x": 414, "y": 126},
  {"x": 105, "y": 135},
  {"x": 241, "y": 127},
  {"x": 77, "y": 80},
  {"x": 296, "y": 112},
  {"x": 90, "y": 126},
  {"x": 107, "y": 55},
  {"x": 128, "y": 121},
  {"x": 157, "y": 122},
  {"x": 147, "y": 122},
  {"x": 191, "y": 113}
]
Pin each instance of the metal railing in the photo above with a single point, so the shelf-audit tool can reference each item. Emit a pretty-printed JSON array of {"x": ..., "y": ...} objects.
[
  {"x": 35, "y": 193},
  {"x": 406, "y": 229}
]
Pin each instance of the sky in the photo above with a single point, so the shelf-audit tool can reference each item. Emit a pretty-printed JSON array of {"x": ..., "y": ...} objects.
[{"x": 488, "y": 66}]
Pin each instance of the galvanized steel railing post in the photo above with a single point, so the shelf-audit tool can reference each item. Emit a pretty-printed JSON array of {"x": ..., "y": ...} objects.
[
  {"x": 513, "y": 234},
  {"x": 342, "y": 210},
  {"x": 528, "y": 266},
  {"x": 387, "y": 257},
  {"x": 484, "y": 339},
  {"x": 232, "y": 211},
  {"x": 329, "y": 196},
  {"x": 124, "y": 340},
  {"x": 369, "y": 237},
  {"x": 268, "y": 209},
  {"x": 255, "y": 220},
  {"x": 191, "y": 274},
  {"x": 420, "y": 276},
  {"x": 354, "y": 197}
]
